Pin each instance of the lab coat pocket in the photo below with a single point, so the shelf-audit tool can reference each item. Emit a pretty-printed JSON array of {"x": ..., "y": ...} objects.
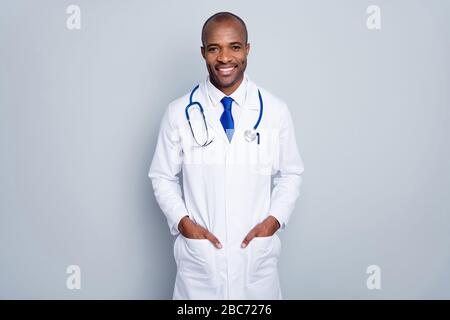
[
  {"x": 195, "y": 278},
  {"x": 263, "y": 259},
  {"x": 196, "y": 259},
  {"x": 261, "y": 154}
]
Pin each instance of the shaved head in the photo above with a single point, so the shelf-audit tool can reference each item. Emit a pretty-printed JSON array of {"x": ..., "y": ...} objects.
[{"x": 222, "y": 17}]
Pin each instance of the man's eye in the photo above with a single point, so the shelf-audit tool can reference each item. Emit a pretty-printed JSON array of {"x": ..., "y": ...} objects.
[
  {"x": 212, "y": 49},
  {"x": 236, "y": 47}
]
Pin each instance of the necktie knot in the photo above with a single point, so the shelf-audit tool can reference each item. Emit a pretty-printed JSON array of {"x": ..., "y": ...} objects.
[{"x": 227, "y": 101}]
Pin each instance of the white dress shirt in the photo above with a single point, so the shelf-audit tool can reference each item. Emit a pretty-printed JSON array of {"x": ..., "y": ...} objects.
[{"x": 238, "y": 96}]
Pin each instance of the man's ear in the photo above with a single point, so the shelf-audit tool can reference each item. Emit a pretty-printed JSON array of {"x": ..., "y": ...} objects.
[
  {"x": 202, "y": 49},
  {"x": 247, "y": 48}
]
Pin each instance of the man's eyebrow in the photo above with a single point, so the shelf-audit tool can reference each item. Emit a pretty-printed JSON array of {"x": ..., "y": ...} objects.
[{"x": 218, "y": 45}]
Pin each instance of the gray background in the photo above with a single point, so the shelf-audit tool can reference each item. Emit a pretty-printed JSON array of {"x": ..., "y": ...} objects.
[{"x": 80, "y": 112}]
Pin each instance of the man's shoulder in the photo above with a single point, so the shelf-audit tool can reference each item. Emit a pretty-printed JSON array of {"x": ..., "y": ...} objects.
[
  {"x": 176, "y": 108},
  {"x": 179, "y": 102},
  {"x": 268, "y": 95}
]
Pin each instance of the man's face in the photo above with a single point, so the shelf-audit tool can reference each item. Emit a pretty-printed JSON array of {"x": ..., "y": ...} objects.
[{"x": 225, "y": 51}]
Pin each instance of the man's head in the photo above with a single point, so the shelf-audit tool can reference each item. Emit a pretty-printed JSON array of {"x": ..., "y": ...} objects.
[{"x": 225, "y": 49}]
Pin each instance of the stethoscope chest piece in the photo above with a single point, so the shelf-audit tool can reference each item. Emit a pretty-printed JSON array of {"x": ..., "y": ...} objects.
[{"x": 250, "y": 135}]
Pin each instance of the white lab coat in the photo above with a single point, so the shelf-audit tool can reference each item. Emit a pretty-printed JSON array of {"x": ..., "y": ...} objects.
[{"x": 227, "y": 189}]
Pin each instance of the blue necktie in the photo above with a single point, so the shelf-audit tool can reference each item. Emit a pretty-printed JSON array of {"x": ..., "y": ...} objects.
[{"x": 227, "y": 118}]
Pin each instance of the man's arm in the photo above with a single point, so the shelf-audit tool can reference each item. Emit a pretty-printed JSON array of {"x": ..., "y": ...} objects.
[
  {"x": 288, "y": 179},
  {"x": 164, "y": 170}
]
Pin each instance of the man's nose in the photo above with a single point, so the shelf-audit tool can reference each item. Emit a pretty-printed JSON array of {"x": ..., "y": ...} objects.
[{"x": 224, "y": 56}]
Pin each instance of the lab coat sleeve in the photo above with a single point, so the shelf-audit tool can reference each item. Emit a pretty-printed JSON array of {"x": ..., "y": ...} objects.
[
  {"x": 164, "y": 170},
  {"x": 288, "y": 179}
]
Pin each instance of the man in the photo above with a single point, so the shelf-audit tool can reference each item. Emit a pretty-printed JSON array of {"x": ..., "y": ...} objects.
[{"x": 226, "y": 246}]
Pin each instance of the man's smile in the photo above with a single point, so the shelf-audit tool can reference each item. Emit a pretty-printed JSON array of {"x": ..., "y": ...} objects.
[{"x": 226, "y": 70}]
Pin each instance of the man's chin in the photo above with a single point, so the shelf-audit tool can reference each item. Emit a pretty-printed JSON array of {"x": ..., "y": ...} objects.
[{"x": 225, "y": 82}]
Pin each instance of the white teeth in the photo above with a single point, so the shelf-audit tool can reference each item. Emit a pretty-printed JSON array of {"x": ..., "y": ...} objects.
[{"x": 226, "y": 71}]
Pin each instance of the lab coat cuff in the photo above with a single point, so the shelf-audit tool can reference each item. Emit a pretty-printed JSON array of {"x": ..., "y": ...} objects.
[
  {"x": 176, "y": 216},
  {"x": 280, "y": 219}
]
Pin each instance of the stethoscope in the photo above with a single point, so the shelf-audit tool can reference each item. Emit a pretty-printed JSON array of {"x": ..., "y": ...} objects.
[{"x": 249, "y": 134}]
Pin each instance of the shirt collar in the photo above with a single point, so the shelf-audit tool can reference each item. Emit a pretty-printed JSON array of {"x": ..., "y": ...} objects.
[{"x": 238, "y": 95}]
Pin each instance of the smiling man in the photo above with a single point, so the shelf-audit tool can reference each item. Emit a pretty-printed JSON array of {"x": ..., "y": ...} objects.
[
  {"x": 224, "y": 31},
  {"x": 235, "y": 144}
]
